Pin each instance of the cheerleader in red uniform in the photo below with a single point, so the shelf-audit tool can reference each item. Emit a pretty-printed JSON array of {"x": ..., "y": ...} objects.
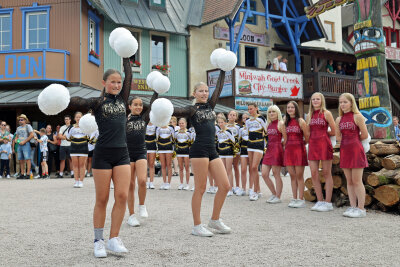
[
  {"x": 274, "y": 155},
  {"x": 320, "y": 148},
  {"x": 350, "y": 129},
  {"x": 295, "y": 156}
]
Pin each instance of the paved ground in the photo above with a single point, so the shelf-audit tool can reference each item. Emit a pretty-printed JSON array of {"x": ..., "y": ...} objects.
[{"x": 48, "y": 223}]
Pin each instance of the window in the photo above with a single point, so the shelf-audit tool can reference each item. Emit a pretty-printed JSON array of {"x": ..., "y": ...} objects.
[
  {"x": 135, "y": 59},
  {"x": 237, "y": 53},
  {"x": 394, "y": 36},
  {"x": 157, "y": 3},
  {"x": 253, "y": 7},
  {"x": 35, "y": 27},
  {"x": 5, "y": 31},
  {"x": 330, "y": 31},
  {"x": 93, "y": 38},
  {"x": 250, "y": 54},
  {"x": 158, "y": 50}
]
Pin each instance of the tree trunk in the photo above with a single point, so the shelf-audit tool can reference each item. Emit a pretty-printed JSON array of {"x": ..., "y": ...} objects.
[
  {"x": 340, "y": 199},
  {"x": 308, "y": 183},
  {"x": 365, "y": 176},
  {"x": 382, "y": 177},
  {"x": 337, "y": 181},
  {"x": 369, "y": 189},
  {"x": 374, "y": 162},
  {"x": 336, "y": 158},
  {"x": 368, "y": 200},
  {"x": 391, "y": 162},
  {"x": 309, "y": 196},
  {"x": 389, "y": 195},
  {"x": 343, "y": 189},
  {"x": 337, "y": 170},
  {"x": 380, "y": 149},
  {"x": 321, "y": 176}
]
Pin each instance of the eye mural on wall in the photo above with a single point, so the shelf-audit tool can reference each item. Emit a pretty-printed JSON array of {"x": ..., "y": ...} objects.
[
  {"x": 369, "y": 40},
  {"x": 380, "y": 117}
]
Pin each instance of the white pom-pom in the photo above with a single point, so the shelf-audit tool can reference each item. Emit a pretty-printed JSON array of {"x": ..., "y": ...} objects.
[
  {"x": 151, "y": 78},
  {"x": 116, "y": 33},
  {"x": 227, "y": 61},
  {"x": 307, "y": 150},
  {"x": 161, "y": 84},
  {"x": 161, "y": 112},
  {"x": 365, "y": 143},
  {"x": 333, "y": 140},
  {"x": 88, "y": 124},
  {"x": 53, "y": 99},
  {"x": 214, "y": 56},
  {"x": 125, "y": 45}
]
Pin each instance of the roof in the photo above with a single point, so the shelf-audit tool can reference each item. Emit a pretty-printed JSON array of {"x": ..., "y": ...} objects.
[
  {"x": 172, "y": 20},
  {"x": 216, "y": 10}
]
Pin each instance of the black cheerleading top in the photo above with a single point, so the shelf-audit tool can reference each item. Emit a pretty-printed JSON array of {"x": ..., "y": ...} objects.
[
  {"x": 110, "y": 112},
  {"x": 135, "y": 133}
]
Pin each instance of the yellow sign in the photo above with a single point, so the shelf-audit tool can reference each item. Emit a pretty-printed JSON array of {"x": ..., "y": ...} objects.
[
  {"x": 369, "y": 102},
  {"x": 366, "y": 63},
  {"x": 363, "y": 24}
]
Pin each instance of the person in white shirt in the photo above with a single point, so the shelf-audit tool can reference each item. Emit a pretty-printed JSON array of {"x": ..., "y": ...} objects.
[
  {"x": 275, "y": 65},
  {"x": 283, "y": 65},
  {"x": 43, "y": 152},
  {"x": 65, "y": 146}
]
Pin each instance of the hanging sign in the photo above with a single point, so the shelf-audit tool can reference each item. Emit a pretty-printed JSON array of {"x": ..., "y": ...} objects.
[
  {"x": 392, "y": 53},
  {"x": 212, "y": 79},
  {"x": 248, "y": 36},
  {"x": 241, "y": 103},
  {"x": 274, "y": 84},
  {"x": 140, "y": 85}
]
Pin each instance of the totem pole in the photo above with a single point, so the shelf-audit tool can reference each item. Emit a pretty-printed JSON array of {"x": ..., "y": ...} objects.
[{"x": 369, "y": 49}]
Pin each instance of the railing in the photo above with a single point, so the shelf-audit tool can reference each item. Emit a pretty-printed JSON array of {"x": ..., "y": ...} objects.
[{"x": 331, "y": 85}]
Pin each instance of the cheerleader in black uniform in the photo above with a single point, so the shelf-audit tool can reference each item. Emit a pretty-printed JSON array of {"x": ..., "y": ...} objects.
[
  {"x": 244, "y": 158},
  {"x": 151, "y": 146},
  {"x": 204, "y": 157},
  {"x": 175, "y": 165},
  {"x": 165, "y": 139},
  {"x": 79, "y": 150},
  {"x": 183, "y": 140},
  {"x": 226, "y": 143},
  {"x": 234, "y": 128}
]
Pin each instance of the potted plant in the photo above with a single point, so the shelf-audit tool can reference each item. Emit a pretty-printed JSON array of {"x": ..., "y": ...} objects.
[
  {"x": 94, "y": 54},
  {"x": 135, "y": 64},
  {"x": 164, "y": 69}
]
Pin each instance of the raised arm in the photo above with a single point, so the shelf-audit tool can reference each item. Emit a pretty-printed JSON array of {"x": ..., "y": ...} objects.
[
  {"x": 146, "y": 115},
  {"x": 218, "y": 89},
  {"x": 126, "y": 87},
  {"x": 83, "y": 104}
]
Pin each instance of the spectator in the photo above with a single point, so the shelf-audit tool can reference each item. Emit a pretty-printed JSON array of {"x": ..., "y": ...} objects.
[
  {"x": 52, "y": 147},
  {"x": 4, "y": 132},
  {"x": 57, "y": 159},
  {"x": 14, "y": 158},
  {"x": 276, "y": 62},
  {"x": 340, "y": 70},
  {"x": 396, "y": 127},
  {"x": 43, "y": 152},
  {"x": 329, "y": 67},
  {"x": 65, "y": 145},
  {"x": 283, "y": 65},
  {"x": 269, "y": 65},
  {"x": 6, "y": 152},
  {"x": 23, "y": 135}
]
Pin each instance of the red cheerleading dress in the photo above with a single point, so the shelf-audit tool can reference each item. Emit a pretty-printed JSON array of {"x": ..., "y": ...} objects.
[
  {"x": 352, "y": 153},
  {"x": 295, "y": 150},
  {"x": 319, "y": 146},
  {"x": 274, "y": 154}
]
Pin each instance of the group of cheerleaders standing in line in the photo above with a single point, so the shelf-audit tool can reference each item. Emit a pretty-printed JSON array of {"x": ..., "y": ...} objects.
[{"x": 120, "y": 154}]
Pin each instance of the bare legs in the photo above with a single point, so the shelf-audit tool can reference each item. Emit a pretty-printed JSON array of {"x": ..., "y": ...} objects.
[
  {"x": 355, "y": 187},
  {"x": 236, "y": 160},
  {"x": 326, "y": 169},
  {"x": 276, "y": 170},
  {"x": 184, "y": 163},
  {"x": 244, "y": 161},
  {"x": 151, "y": 157},
  {"x": 166, "y": 161},
  {"x": 297, "y": 181},
  {"x": 138, "y": 169},
  {"x": 79, "y": 167},
  {"x": 228, "y": 166},
  {"x": 254, "y": 161}
]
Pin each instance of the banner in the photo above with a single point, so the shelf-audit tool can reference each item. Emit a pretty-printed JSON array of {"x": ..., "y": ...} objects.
[
  {"x": 139, "y": 85},
  {"x": 251, "y": 82},
  {"x": 263, "y": 104},
  {"x": 248, "y": 36},
  {"x": 212, "y": 79},
  {"x": 392, "y": 53}
]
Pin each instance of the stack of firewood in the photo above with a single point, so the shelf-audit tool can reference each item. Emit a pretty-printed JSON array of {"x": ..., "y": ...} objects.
[{"x": 381, "y": 178}]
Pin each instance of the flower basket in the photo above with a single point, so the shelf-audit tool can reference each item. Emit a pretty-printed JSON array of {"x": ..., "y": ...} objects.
[
  {"x": 94, "y": 54},
  {"x": 164, "y": 69},
  {"x": 135, "y": 64}
]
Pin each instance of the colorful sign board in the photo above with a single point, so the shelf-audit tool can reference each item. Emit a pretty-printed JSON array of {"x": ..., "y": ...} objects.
[
  {"x": 140, "y": 85},
  {"x": 248, "y": 36},
  {"x": 212, "y": 79},
  {"x": 263, "y": 104},
  {"x": 392, "y": 53},
  {"x": 273, "y": 84}
]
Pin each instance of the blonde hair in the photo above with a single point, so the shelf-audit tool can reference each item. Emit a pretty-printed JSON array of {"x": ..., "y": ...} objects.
[
  {"x": 277, "y": 110},
  {"x": 237, "y": 114},
  {"x": 221, "y": 116},
  {"x": 351, "y": 98},
  {"x": 174, "y": 119},
  {"x": 196, "y": 87},
  {"x": 311, "y": 108}
]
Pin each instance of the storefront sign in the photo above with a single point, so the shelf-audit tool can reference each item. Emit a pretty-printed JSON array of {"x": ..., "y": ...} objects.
[
  {"x": 263, "y": 104},
  {"x": 392, "y": 53},
  {"x": 21, "y": 66},
  {"x": 140, "y": 85},
  {"x": 249, "y": 82},
  {"x": 212, "y": 79},
  {"x": 248, "y": 36}
]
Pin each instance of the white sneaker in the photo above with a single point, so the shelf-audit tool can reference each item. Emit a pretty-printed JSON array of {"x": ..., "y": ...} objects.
[
  {"x": 270, "y": 198},
  {"x": 292, "y": 203},
  {"x": 100, "y": 249},
  {"x": 16, "y": 175},
  {"x": 209, "y": 190},
  {"x": 76, "y": 184},
  {"x": 215, "y": 190},
  {"x": 250, "y": 192},
  {"x": 235, "y": 189},
  {"x": 80, "y": 184},
  {"x": 348, "y": 211},
  {"x": 37, "y": 176},
  {"x": 167, "y": 186},
  {"x": 259, "y": 195},
  {"x": 230, "y": 193},
  {"x": 253, "y": 196},
  {"x": 317, "y": 205},
  {"x": 275, "y": 200},
  {"x": 200, "y": 230},
  {"x": 300, "y": 203},
  {"x": 8, "y": 176},
  {"x": 133, "y": 221},
  {"x": 192, "y": 189},
  {"x": 162, "y": 186},
  {"x": 358, "y": 213},
  {"x": 111, "y": 185},
  {"x": 151, "y": 185},
  {"x": 180, "y": 187},
  {"x": 240, "y": 192},
  {"x": 115, "y": 244},
  {"x": 143, "y": 211},
  {"x": 186, "y": 187},
  {"x": 219, "y": 227},
  {"x": 326, "y": 206},
  {"x": 147, "y": 185}
]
